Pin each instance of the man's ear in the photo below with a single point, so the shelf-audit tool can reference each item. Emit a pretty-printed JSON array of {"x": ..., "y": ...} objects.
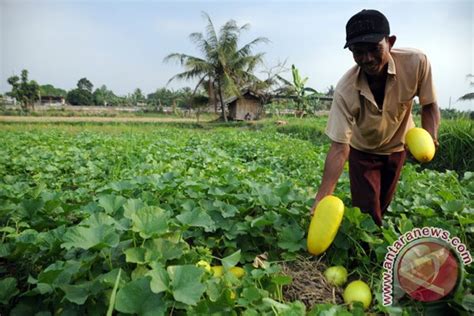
[{"x": 391, "y": 40}]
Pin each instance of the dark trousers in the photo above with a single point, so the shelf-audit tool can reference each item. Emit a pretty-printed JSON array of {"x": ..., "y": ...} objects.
[{"x": 374, "y": 180}]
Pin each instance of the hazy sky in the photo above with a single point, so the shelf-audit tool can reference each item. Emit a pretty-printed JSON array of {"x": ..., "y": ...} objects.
[{"x": 122, "y": 43}]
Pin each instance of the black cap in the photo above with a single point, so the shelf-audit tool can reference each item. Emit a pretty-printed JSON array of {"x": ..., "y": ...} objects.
[{"x": 367, "y": 26}]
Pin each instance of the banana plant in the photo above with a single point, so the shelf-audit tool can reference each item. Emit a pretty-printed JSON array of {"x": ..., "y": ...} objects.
[{"x": 297, "y": 91}]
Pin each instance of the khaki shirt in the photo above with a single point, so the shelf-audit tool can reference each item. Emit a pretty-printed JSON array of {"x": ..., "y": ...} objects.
[{"x": 356, "y": 119}]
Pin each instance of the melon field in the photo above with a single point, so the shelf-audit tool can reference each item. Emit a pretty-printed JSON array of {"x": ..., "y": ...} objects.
[{"x": 113, "y": 219}]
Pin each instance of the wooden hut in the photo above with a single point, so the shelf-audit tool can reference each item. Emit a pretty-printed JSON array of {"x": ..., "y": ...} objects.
[
  {"x": 248, "y": 106},
  {"x": 51, "y": 100}
]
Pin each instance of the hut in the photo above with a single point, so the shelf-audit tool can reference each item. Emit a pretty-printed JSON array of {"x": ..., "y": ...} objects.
[
  {"x": 51, "y": 100},
  {"x": 247, "y": 106}
]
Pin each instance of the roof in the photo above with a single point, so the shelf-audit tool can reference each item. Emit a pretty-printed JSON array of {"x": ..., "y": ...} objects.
[{"x": 245, "y": 92}]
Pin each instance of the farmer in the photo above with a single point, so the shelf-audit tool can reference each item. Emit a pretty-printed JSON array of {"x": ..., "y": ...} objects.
[{"x": 371, "y": 113}]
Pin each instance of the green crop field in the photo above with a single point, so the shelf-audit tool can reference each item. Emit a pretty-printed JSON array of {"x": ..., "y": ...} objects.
[{"x": 112, "y": 219}]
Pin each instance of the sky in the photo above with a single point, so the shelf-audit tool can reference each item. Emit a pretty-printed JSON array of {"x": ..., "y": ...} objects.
[{"x": 122, "y": 44}]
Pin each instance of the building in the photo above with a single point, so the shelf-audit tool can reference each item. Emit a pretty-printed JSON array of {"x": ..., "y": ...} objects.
[
  {"x": 248, "y": 106},
  {"x": 51, "y": 100}
]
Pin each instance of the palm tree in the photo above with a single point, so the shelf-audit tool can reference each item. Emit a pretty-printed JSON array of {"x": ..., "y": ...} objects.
[
  {"x": 470, "y": 95},
  {"x": 223, "y": 65}
]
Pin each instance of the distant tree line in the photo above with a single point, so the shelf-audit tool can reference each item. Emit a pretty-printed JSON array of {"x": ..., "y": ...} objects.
[{"x": 28, "y": 92}]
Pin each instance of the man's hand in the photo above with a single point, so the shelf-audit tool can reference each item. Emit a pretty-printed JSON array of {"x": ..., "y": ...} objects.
[
  {"x": 333, "y": 166},
  {"x": 430, "y": 118}
]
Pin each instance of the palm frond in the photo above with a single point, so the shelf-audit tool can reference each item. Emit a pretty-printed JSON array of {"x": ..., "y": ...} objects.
[{"x": 467, "y": 96}]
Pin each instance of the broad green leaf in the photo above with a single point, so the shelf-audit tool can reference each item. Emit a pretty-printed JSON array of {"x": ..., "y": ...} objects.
[
  {"x": 8, "y": 289},
  {"x": 159, "y": 279},
  {"x": 186, "y": 283},
  {"x": 453, "y": 206},
  {"x": 135, "y": 255},
  {"x": 468, "y": 302},
  {"x": 251, "y": 294},
  {"x": 111, "y": 203},
  {"x": 227, "y": 210},
  {"x": 232, "y": 260},
  {"x": 99, "y": 237},
  {"x": 162, "y": 249},
  {"x": 136, "y": 297},
  {"x": 291, "y": 238},
  {"x": 78, "y": 293},
  {"x": 132, "y": 206},
  {"x": 150, "y": 221},
  {"x": 121, "y": 186},
  {"x": 197, "y": 218},
  {"x": 31, "y": 207}
]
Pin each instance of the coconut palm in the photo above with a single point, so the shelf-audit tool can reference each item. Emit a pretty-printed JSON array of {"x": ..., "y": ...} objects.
[
  {"x": 224, "y": 65},
  {"x": 470, "y": 95}
]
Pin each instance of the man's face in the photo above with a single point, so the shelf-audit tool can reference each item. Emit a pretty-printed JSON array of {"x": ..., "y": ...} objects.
[{"x": 372, "y": 57}]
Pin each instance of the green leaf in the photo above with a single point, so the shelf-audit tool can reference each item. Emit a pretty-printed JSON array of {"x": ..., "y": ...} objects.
[
  {"x": 136, "y": 297},
  {"x": 79, "y": 293},
  {"x": 163, "y": 249},
  {"x": 150, "y": 221},
  {"x": 111, "y": 203},
  {"x": 59, "y": 273},
  {"x": 453, "y": 206},
  {"x": 227, "y": 210},
  {"x": 186, "y": 283},
  {"x": 159, "y": 279},
  {"x": 135, "y": 255},
  {"x": 8, "y": 289},
  {"x": 354, "y": 215},
  {"x": 251, "y": 294},
  {"x": 232, "y": 260},
  {"x": 197, "y": 218},
  {"x": 98, "y": 237},
  {"x": 132, "y": 206},
  {"x": 291, "y": 238},
  {"x": 280, "y": 279},
  {"x": 468, "y": 302}
]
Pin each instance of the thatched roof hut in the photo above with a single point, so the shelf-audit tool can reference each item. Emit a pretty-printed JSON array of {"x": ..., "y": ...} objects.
[{"x": 247, "y": 106}]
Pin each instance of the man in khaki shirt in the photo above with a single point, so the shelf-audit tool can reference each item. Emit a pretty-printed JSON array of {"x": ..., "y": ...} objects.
[{"x": 371, "y": 113}]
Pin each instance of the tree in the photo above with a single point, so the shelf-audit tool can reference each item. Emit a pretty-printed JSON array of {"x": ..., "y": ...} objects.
[
  {"x": 24, "y": 91},
  {"x": 50, "y": 90},
  {"x": 79, "y": 97},
  {"x": 297, "y": 91},
  {"x": 137, "y": 97},
  {"x": 103, "y": 97},
  {"x": 85, "y": 84},
  {"x": 82, "y": 95},
  {"x": 223, "y": 63},
  {"x": 470, "y": 95}
]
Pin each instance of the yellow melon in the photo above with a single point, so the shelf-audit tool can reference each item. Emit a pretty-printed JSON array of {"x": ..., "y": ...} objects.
[
  {"x": 324, "y": 224},
  {"x": 420, "y": 143}
]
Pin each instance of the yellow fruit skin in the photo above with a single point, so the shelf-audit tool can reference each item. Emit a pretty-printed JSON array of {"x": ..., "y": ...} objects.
[
  {"x": 420, "y": 143},
  {"x": 218, "y": 271},
  {"x": 204, "y": 264},
  {"x": 237, "y": 271},
  {"x": 324, "y": 225},
  {"x": 358, "y": 291}
]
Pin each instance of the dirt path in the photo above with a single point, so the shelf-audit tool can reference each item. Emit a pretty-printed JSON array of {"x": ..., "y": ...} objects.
[{"x": 27, "y": 119}]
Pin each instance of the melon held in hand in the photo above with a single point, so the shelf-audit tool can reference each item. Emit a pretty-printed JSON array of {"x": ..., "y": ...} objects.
[
  {"x": 420, "y": 143},
  {"x": 324, "y": 224}
]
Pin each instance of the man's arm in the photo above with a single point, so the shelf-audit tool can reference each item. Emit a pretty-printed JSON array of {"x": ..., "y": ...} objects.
[
  {"x": 333, "y": 166},
  {"x": 430, "y": 118}
]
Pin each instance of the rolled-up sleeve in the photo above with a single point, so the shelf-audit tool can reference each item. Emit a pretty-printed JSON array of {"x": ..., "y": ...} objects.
[
  {"x": 426, "y": 91},
  {"x": 340, "y": 121}
]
